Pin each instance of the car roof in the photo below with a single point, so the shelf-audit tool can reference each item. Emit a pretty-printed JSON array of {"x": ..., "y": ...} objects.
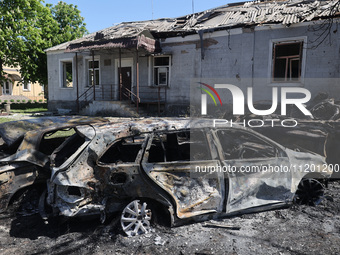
[
  {"x": 131, "y": 127},
  {"x": 12, "y": 131}
]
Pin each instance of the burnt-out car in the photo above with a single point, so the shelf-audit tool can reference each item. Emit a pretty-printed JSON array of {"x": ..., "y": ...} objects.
[
  {"x": 176, "y": 168},
  {"x": 25, "y": 149}
]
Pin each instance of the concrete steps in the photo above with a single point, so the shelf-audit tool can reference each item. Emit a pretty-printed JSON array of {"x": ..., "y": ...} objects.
[{"x": 113, "y": 108}]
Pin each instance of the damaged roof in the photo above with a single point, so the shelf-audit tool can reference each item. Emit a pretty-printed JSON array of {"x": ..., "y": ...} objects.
[{"x": 144, "y": 34}]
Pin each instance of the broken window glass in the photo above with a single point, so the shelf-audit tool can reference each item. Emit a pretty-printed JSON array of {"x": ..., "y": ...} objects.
[
  {"x": 243, "y": 145},
  {"x": 54, "y": 139},
  {"x": 179, "y": 146},
  {"x": 66, "y": 149},
  {"x": 287, "y": 61},
  {"x": 122, "y": 151}
]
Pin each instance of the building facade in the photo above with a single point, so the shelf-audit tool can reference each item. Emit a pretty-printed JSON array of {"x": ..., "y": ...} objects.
[
  {"x": 262, "y": 45},
  {"x": 15, "y": 89}
]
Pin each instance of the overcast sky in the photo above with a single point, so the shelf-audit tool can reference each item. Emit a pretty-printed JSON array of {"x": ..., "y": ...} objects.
[{"x": 100, "y": 14}]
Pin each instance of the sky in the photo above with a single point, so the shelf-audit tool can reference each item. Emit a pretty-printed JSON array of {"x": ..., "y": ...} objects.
[{"x": 100, "y": 14}]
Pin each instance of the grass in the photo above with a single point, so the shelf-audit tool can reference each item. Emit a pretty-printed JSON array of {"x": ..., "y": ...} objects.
[
  {"x": 30, "y": 110},
  {"x": 5, "y": 119}
]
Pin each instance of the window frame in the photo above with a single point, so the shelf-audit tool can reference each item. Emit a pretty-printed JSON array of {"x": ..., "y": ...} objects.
[
  {"x": 279, "y": 151},
  {"x": 62, "y": 76},
  {"x": 211, "y": 152},
  {"x": 88, "y": 69},
  {"x": 28, "y": 84},
  {"x": 10, "y": 87},
  {"x": 302, "y": 55},
  {"x": 152, "y": 66},
  {"x": 114, "y": 143}
]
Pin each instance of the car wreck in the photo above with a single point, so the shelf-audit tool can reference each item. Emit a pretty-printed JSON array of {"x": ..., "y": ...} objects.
[
  {"x": 148, "y": 169},
  {"x": 25, "y": 149}
]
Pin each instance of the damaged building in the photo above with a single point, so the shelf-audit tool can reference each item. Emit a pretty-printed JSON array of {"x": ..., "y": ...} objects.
[{"x": 155, "y": 63}]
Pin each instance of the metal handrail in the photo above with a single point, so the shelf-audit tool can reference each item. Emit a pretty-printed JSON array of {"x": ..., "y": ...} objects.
[
  {"x": 84, "y": 93},
  {"x": 131, "y": 93}
]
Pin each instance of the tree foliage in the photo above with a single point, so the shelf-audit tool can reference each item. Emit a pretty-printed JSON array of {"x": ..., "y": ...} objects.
[
  {"x": 28, "y": 27},
  {"x": 71, "y": 25}
]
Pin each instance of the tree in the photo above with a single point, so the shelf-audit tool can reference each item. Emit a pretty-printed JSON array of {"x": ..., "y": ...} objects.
[
  {"x": 28, "y": 27},
  {"x": 71, "y": 24}
]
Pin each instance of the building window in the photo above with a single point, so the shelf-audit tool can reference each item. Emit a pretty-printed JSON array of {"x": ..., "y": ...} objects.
[
  {"x": 67, "y": 74},
  {"x": 287, "y": 61},
  {"x": 161, "y": 70},
  {"x": 7, "y": 88},
  {"x": 27, "y": 86},
  {"x": 93, "y": 72}
]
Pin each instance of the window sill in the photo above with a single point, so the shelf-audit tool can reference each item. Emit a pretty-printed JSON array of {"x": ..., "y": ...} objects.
[
  {"x": 159, "y": 86},
  {"x": 286, "y": 84}
]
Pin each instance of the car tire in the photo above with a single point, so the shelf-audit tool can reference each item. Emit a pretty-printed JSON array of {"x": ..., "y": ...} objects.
[{"x": 309, "y": 192}]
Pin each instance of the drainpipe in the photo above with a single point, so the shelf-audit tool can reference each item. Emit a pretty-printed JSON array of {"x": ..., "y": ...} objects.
[
  {"x": 94, "y": 77},
  {"x": 201, "y": 33},
  {"x": 77, "y": 84},
  {"x": 137, "y": 70},
  {"x": 120, "y": 74}
]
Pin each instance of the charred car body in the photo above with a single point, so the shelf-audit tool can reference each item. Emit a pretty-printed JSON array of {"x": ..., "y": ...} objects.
[
  {"x": 25, "y": 149},
  {"x": 173, "y": 167}
]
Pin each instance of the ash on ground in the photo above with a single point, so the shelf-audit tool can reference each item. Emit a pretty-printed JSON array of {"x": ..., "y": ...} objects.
[{"x": 295, "y": 230}]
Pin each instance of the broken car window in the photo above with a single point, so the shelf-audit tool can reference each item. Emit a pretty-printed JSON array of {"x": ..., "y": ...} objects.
[
  {"x": 124, "y": 150},
  {"x": 242, "y": 145},
  {"x": 180, "y": 146},
  {"x": 67, "y": 149},
  {"x": 54, "y": 139}
]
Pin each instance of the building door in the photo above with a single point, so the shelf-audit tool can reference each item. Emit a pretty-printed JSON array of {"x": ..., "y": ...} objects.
[{"x": 126, "y": 82}]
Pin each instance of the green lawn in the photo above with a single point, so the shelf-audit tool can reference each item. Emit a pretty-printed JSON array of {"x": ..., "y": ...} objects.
[
  {"x": 5, "y": 119},
  {"x": 30, "y": 110}
]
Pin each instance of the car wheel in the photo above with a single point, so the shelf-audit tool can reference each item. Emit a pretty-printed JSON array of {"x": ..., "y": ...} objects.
[
  {"x": 135, "y": 218},
  {"x": 309, "y": 192}
]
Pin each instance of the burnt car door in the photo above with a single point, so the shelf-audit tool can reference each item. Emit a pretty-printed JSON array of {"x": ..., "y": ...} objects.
[
  {"x": 118, "y": 169},
  {"x": 257, "y": 173},
  {"x": 172, "y": 160}
]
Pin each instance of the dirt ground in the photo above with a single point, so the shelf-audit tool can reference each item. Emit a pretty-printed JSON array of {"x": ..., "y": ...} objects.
[{"x": 296, "y": 230}]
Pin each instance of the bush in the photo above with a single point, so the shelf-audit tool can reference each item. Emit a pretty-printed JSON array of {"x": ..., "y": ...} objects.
[
  {"x": 18, "y": 101},
  {"x": 12, "y": 100},
  {"x": 23, "y": 101},
  {"x": 5, "y": 101},
  {"x": 40, "y": 100}
]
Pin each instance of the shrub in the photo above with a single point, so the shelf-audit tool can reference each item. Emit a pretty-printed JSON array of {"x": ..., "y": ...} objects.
[
  {"x": 5, "y": 101},
  {"x": 12, "y": 100},
  {"x": 23, "y": 101},
  {"x": 29, "y": 101},
  {"x": 40, "y": 100},
  {"x": 18, "y": 101}
]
